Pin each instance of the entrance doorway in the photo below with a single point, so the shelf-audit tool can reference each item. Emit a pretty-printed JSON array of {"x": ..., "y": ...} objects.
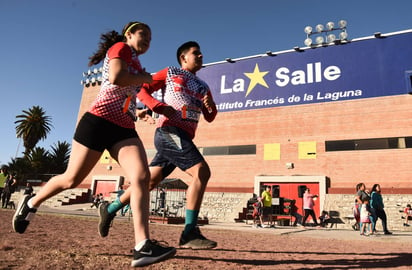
[{"x": 292, "y": 188}]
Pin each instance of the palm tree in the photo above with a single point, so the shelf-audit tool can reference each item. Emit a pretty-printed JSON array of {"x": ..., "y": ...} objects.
[
  {"x": 32, "y": 126},
  {"x": 59, "y": 157}
]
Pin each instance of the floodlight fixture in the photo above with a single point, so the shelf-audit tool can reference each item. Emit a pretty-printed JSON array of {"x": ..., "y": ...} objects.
[
  {"x": 342, "y": 24},
  {"x": 319, "y": 28},
  {"x": 270, "y": 53},
  {"x": 330, "y": 38},
  {"x": 230, "y": 60},
  {"x": 319, "y": 40},
  {"x": 308, "y": 42},
  {"x": 308, "y": 29},
  {"x": 330, "y": 25},
  {"x": 343, "y": 35},
  {"x": 326, "y": 34}
]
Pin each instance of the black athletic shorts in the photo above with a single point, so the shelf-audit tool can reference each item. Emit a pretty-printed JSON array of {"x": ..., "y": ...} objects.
[
  {"x": 99, "y": 134},
  {"x": 174, "y": 149}
]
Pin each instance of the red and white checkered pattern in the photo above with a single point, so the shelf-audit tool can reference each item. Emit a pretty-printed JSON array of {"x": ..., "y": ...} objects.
[{"x": 110, "y": 100}]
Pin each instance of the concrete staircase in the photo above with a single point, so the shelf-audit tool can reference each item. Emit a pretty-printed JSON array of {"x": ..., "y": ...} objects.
[{"x": 66, "y": 197}]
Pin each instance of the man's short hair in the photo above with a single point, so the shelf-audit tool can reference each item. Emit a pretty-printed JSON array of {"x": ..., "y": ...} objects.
[{"x": 184, "y": 47}]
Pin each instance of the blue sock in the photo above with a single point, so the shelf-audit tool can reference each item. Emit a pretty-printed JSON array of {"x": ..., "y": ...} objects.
[
  {"x": 191, "y": 220},
  {"x": 115, "y": 206}
]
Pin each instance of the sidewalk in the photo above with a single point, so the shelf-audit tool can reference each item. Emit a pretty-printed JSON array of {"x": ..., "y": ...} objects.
[{"x": 323, "y": 233}]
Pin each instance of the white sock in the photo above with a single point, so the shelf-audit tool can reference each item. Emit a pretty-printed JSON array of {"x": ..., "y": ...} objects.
[
  {"x": 140, "y": 245},
  {"x": 30, "y": 204}
]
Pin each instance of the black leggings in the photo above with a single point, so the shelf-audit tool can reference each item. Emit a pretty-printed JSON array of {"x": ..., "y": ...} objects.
[
  {"x": 5, "y": 199},
  {"x": 312, "y": 214},
  {"x": 382, "y": 215}
]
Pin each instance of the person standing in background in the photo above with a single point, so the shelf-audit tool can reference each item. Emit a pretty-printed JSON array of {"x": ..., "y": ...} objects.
[
  {"x": 407, "y": 215},
  {"x": 267, "y": 206},
  {"x": 365, "y": 219},
  {"x": 3, "y": 176},
  {"x": 9, "y": 187},
  {"x": 378, "y": 207},
  {"x": 308, "y": 204},
  {"x": 360, "y": 196},
  {"x": 28, "y": 190}
]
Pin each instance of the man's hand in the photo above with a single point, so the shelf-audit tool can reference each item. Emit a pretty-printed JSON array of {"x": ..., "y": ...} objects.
[
  {"x": 142, "y": 115},
  {"x": 208, "y": 102}
]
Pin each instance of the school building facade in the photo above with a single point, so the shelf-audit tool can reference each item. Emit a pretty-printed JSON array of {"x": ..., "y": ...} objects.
[{"x": 326, "y": 118}]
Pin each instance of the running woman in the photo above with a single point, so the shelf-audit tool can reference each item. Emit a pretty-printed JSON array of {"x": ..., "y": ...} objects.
[
  {"x": 185, "y": 98},
  {"x": 109, "y": 124}
]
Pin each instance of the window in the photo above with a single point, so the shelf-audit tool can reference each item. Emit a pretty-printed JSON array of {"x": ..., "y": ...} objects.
[
  {"x": 230, "y": 150},
  {"x": 369, "y": 144}
]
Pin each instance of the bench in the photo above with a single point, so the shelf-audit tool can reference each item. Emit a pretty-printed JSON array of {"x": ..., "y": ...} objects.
[
  {"x": 351, "y": 220},
  {"x": 282, "y": 219}
]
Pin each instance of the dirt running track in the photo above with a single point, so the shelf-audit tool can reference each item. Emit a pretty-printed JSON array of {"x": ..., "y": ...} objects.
[{"x": 55, "y": 241}]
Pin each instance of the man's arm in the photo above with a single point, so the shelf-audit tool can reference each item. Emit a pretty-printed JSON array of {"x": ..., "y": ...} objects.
[
  {"x": 209, "y": 109},
  {"x": 146, "y": 91}
]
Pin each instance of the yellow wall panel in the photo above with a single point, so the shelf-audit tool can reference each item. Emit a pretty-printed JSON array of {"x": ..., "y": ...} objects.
[
  {"x": 271, "y": 151},
  {"x": 307, "y": 150}
]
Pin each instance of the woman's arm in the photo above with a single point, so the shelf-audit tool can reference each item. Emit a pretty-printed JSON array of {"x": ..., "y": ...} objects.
[{"x": 119, "y": 74}]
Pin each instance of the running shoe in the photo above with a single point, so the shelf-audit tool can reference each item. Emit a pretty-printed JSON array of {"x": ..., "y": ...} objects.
[
  {"x": 23, "y": 215},
  {"x": 195, "y": 240},
  {"x": 106, "y": 219},
  {"x": 151, "y": 252}
]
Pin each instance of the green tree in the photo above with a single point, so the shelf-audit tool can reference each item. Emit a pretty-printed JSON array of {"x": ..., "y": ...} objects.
[
  {"x": 59, "y": 157},
  {"x": 32, "y": 126},
  {"x": 39, "y": 161}
]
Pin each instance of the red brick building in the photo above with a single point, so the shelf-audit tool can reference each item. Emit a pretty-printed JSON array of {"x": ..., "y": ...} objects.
[{"x": 352, "y": 122}]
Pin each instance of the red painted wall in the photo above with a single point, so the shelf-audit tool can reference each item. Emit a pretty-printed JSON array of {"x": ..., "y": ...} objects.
[
  {"x": 105, "y": 187},
  {"x": 290, "y": 191}
]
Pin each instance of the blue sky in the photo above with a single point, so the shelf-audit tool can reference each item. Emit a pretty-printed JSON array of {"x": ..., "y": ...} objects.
[{"x": 45, "y": 45}]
